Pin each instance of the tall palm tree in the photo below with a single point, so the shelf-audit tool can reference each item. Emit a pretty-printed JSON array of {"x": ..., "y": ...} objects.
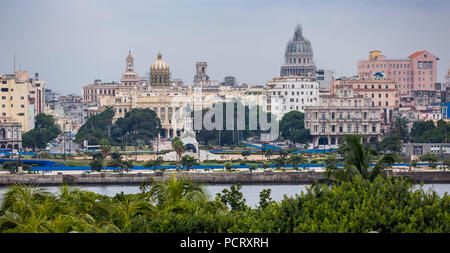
[
  {"x": 178, "y": 146},
  {"x": 176, "y": 193},
  {"x": 356, "y": 161}
]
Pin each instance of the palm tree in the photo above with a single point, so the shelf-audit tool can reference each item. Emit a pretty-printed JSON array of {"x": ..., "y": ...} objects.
[
  {"x": 356, "y": 161},
  {"x": 269, "y": 153},
  {"x": 296, "y": 159},
  {"x": 123, "y": 211},
  {"x": 400, "y": 128},
  {"x": 178, "y": 146},
  {"x": 175, "y": 194}
]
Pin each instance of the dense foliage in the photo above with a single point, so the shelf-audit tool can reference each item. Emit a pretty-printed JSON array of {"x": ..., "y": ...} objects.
[
  {"x": 292, "y": 127},
  {"x": 96, "y": 128},
  {"x": 427, "y": 132},
  {"x": 178, "y": 205},
  {"x": 231, "y": 137},
  {"x": 138, "y": 124},
  {"x": 44, "y": 131}
]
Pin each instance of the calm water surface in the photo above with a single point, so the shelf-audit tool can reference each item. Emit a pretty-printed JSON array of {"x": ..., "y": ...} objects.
[{"x": 250, "y": 192}]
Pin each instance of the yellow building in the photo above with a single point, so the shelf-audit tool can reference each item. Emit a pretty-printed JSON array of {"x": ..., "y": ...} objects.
[{"x": 21, "y": 99}]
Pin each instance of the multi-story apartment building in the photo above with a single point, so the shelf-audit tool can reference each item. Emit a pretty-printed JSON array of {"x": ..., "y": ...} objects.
[
  {"x": 417, "y": 72},
  {"x": 340, "y": 114},
  {"x": 21, "y": 98},
  {"x": 285, "y": 94}
]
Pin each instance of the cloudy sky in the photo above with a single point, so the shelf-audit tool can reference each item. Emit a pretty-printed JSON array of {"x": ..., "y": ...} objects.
[{"x": 71, "y": 43}]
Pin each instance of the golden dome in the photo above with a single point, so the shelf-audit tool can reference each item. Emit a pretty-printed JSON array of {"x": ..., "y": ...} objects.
[{"x": 159, "y": 64}]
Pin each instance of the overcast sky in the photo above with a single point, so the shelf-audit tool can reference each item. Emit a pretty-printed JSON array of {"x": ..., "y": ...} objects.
[{"x": 71, "y": 43}]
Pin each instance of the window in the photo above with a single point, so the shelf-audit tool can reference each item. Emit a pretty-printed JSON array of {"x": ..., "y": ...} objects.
[
  {"x": 374, "y": 128},
  {"x": 341, "y": 129},
  {"x": 333, "y": 129},
  {"x": 349, "y": 128}
]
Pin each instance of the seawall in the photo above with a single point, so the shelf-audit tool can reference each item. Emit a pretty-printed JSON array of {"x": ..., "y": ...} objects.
[{"x": 267, "y": 177}]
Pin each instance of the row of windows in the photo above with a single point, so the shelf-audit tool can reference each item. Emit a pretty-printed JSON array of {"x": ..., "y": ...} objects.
[
  {"x": 386, "y": 86},
  {"x": 303, "y": 86},
  {"x": 340, "y": 129},
  {"x": 390, "y": 65},
  {"x": 4, "y": 98},
  {"x": 100, "y": 91},
  {"x": 425, "y": 65},
  {"x": 333, "y": 115},
  {"x": 292, "y": 93},
  {"x": 12, "y": 105},
  {"x": 294, "y": 60}
]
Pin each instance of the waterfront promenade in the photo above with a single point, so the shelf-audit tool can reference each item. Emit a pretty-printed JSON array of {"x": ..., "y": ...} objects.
[{"x": 243, "y": 177}]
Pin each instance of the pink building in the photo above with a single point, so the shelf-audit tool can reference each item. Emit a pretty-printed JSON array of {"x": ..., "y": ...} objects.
[{"x": 415, "y": 73}]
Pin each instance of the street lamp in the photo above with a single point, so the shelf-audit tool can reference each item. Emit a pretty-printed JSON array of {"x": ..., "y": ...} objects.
[{"x": 158, "y": 126}]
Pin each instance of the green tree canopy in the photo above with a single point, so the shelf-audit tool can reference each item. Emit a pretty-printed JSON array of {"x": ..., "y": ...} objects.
[
  {"x": 96, "y": 127},
  {"x": 292, "y": 127},
  {"x": 140, "y": 124},
  {"x": 45, "y": 130},
  {"x": 232, "y": 137},
  {"x": 427, "y": 132}
]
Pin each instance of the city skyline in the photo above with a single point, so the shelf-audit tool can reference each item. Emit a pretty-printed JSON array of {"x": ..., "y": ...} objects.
[{"x": 72, "y": 43}]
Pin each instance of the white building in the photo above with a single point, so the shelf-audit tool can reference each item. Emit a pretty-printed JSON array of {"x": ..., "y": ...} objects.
[{"x": 285, "y": 94}]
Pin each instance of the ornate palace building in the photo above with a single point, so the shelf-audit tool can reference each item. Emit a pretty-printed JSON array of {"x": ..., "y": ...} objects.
[
  {"x": 298, "y": 57},
  {"x": 384, "y": 93},
  {"x": 341, "y": 114}
]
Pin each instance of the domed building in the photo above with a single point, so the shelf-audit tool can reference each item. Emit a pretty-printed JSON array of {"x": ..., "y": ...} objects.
[
  {"x": 298, "y": 57},
  {"x": 160, "y": 73}
]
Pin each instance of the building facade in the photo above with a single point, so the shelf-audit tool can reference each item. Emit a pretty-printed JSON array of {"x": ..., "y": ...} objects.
[
  {"x": 416, "y": 72},
  {"x": 10, "y": 134},
  {"x": 325, "y": 78},
  {"x": 341, "y": 114},
  {"x": 22, "y": 98},
  {"x": 285, "y": 94},
  {"x": 383, "y": 94}
]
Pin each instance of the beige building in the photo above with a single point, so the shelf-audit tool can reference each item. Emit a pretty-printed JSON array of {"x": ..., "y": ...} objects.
[
  {"x": 22, "y": 98},
  {"x": 340, "y": 114},
  {"x": 10, "y": 134},
  {"x": 384, "y": 94}
]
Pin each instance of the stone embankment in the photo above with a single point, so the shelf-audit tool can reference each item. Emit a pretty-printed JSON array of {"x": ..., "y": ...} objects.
[{"x": 267, "y": 177}]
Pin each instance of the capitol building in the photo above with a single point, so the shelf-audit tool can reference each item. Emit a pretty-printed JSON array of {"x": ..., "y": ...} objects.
[
  {"x": 298, "y": 56},
  {"x": 164, "y": 96}
]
